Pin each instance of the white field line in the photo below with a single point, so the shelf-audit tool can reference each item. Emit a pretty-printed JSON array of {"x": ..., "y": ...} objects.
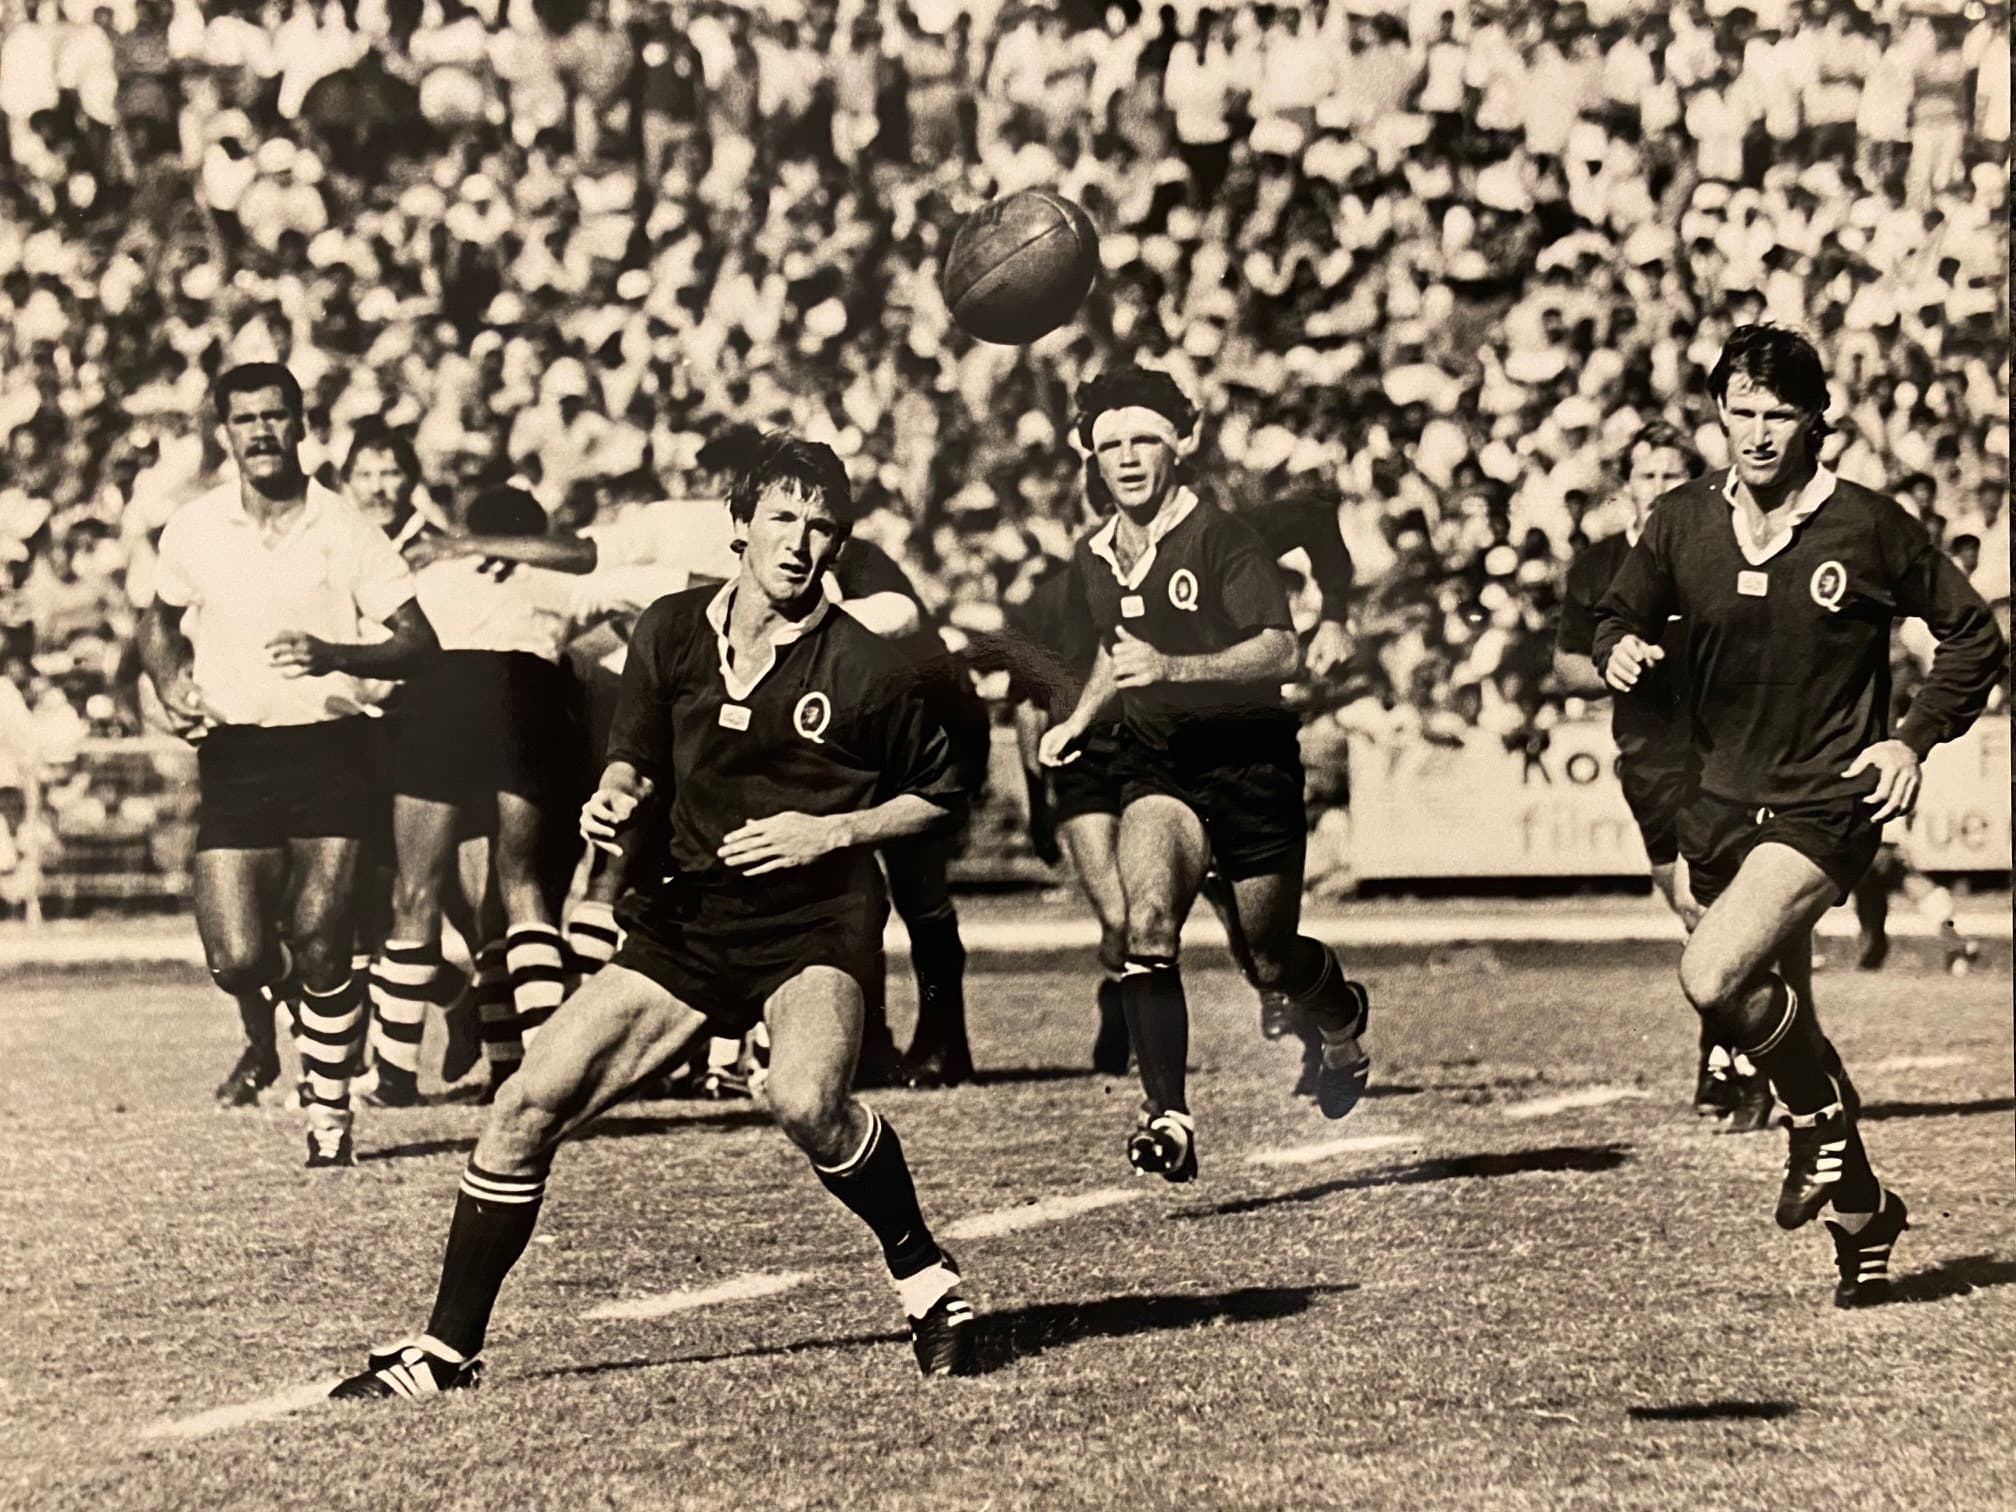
[
  {"x": 243, "y": 1414},
  {"x": 177, "y": 943},
  {"x": 746, "y": 1288},
  {"x": 1916, "y": 1063},
  {"x": 1028, "y": 1215},
  {"x": 1569, "y": 1102},
  {"x": 1310, "y": 1154}
]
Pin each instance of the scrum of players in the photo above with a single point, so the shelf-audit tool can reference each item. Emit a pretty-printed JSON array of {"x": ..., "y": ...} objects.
[{"x": 407, "y": 715}]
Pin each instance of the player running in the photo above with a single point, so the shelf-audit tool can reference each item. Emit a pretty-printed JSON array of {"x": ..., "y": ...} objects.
[
  {"x": 771, "y": 742},
  {"x": 1655, "y": 754},
  {"x": 1195, "y": 641},
  {"x": 255, "y": 642},
  {"x": 1788, "y": 580},
  {"x": 1074, "y": 809}
]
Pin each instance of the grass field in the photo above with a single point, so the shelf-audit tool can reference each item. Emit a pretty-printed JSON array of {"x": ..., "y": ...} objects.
[{"x": 1521, "y": 1275}]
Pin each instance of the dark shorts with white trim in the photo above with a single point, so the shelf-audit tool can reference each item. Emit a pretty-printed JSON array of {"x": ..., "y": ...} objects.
[
  {"x": 260, "y": 786},
  {"x": 1088, "y": 785},
  {"x": 725, "y": 950},
  {"x": 1718, "y": 834},
  {"x": 1241, "y": 778},
  {"x": 1657, "y": 788}
]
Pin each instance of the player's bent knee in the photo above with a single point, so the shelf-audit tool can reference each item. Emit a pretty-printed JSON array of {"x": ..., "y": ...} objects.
[
  {"x": 1713, "y": 984},
  {"x": 523, "y": 1122},
  {"x": 1151, "y": 929},
  {"x": 811, "y": 1117}
]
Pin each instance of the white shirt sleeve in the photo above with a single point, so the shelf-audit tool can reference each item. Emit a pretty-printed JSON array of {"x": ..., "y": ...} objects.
[
  {"x": 173, "y": 584},
  {"x": 382, "y": 581}
]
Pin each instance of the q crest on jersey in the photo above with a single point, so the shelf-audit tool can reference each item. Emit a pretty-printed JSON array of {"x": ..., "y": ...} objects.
[
  {"x": 1829, "y": 585},
  {"x": 810, "y": 717}
]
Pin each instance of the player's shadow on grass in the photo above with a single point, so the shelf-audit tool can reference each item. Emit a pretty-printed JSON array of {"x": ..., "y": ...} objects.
[
  {"x": 612, "y": 1128},
  {"x": 1604, "y": 1157},
  {"x": 1018, "y": 1333},
  {"x": 1717, "y": 1411},
  {"x": 1880, "y": 1111},
  {"x": 1953, "y": 1278}
]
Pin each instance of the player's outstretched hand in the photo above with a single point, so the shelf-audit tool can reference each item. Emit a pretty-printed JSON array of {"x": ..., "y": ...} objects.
[
  {"x": 1136, "y": 664},
  {"x": 1054, "y": 749},
  {"x": 431, "y": 546},
  {"x": 300, "y": 655},
  {"x": 1628, "y": 660},
  {"x": 182, "y": 708},
  {"x": 1328, "y": 648},
  {"x": 1897, "y": 779},
  {"x": 781, "y": 841},
  {"x": 605, "y": 816}
]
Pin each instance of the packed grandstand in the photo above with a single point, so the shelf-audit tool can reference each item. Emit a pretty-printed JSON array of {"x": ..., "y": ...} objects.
[{"x": 1436, "y": 262}]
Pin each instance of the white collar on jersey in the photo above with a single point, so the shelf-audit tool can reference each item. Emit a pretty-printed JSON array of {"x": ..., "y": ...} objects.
[
  {"x": 1818, "y": 490},
  {"x": 1632, "y": 534},
  {"x": 739, "y": 688},
  {"x": 315, "y": 501},
  {"x": 1174, "y": 511}
]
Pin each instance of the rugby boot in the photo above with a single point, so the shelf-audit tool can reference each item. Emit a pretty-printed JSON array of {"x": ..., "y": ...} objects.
[
  {"x": 944, "y": 1339},
  {"x": 1312, "y": 1064},
  {"x": 1816, "y": 1154},
  {"x": 1715, "y": 1085},
  {"x": 1346, "y": 1068},
  {"x": 1863, "y": 1259},
  {"x": 1277, "y": 1014},
  {"x": 256, "y": 1070},
  {"x": 408, "y": 1370},
  {"x": 1165, "y": 1145},
  {"x": 1750, "y": 1105},
  {"x": 324, "y": 1155}
]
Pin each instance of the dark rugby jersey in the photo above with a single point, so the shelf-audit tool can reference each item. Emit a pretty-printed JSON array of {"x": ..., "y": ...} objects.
[
  {"x": 1205, "y": 584},
  {"x": 1788, "y": 647},
  {"x": 1652, "y": 718},
  {"x": 833, "y": 726},
  {"x": 1051, "y": 642},
  {"x": 1309, "y": 523}
]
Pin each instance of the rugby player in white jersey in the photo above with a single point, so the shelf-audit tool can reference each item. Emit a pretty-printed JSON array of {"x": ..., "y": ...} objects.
[{"x": 255, "y": 642}]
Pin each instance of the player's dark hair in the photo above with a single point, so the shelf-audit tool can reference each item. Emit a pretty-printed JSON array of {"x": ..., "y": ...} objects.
[
  {"x": 376, "y": 435},
  {"x": 1661, "y": 435},
  {"x": 1121, "y": 388},
  {"x": 504, "y": 512},
  {"x": 810, "y": 465},
  {"x": 249, "y": 377},
  {"x": 731, "y": 451},
  {"x": 1781, "y": 361}
]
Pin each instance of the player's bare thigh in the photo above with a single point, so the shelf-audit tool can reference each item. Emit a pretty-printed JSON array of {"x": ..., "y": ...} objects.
[
  {"x": 1776, "y": 896},
  {"x": 618, "y": 1029},
  {"x": 1092, "y": 841},
  {"x": 815, "y": 1036},
  {"x": 238, "y": 894},
  {"x": 1162, "y": 854}
]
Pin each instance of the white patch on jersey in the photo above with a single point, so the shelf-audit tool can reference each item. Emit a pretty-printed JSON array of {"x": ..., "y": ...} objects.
[
  {"x": 1132, "y": 607},
  {"x": 1183, "y": 590},
  {"x": 1829, "y": 585},
  {"x": 1752, "y": 584},
  {"x": 734, "y": 717},
  {"x": 810, "y": 718}
]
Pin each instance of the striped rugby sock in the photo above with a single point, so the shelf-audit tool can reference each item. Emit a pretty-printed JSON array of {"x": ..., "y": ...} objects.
[
  {"x": 491, "y": 988},
  {"x": 331, "y": 1038},
  {"x": 494, "y": 1219},
  {"x": 400, "y": 983},
  {"x": 591, "y": 935},
  {"x": 533, "y": 953}
]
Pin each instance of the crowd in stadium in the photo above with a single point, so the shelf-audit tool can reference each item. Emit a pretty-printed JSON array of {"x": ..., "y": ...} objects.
[{"x": 1435, "y": 260}]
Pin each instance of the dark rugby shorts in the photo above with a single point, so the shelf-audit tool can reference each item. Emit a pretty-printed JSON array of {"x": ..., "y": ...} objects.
[
  {"x": 260, "y": 786},
  {"x": 543, "y": 745},
  {"x": 724, "y": 951},
  {"x": 1243, "y": 782},
  {"x": 1088, "y": 785},
  {"x": 446, "y": 727},
  {"x": 1657, "y": 790},
  {"x": 1717, "y": 835}
]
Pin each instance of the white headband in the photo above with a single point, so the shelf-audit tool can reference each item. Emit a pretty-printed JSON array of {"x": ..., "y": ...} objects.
[{"x": 1135, "y": 418}]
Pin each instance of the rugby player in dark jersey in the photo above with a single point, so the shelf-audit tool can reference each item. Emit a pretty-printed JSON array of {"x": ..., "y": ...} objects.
[
  {"x": 1195, "y": 641},
  {"x": 764, "y": 744},
  {"x": 1655, "y": 754},
  {"x": 1075, "y": 808},
  {"x": 1788, "y": 579}
]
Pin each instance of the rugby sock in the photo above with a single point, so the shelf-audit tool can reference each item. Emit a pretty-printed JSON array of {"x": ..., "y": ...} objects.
[
  {"x": 538, "y": 970},
  {"x": 591, "y": 936},
  {"x": 502, "y": 1048},
  {"x": 938, "y": 958},
  {"x": 1781, "y": 1035},
  {"x": 401, "y": 983},
  {"x": 1316, "y": 984},
  {"x": 494, "y": 1219},
  {"x": 1854, "y": 1223},
  {"x": 1158, "y": 1021},
  {"x": 332, "y": 1026},
  {"x": 874, "y": 1185}
]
